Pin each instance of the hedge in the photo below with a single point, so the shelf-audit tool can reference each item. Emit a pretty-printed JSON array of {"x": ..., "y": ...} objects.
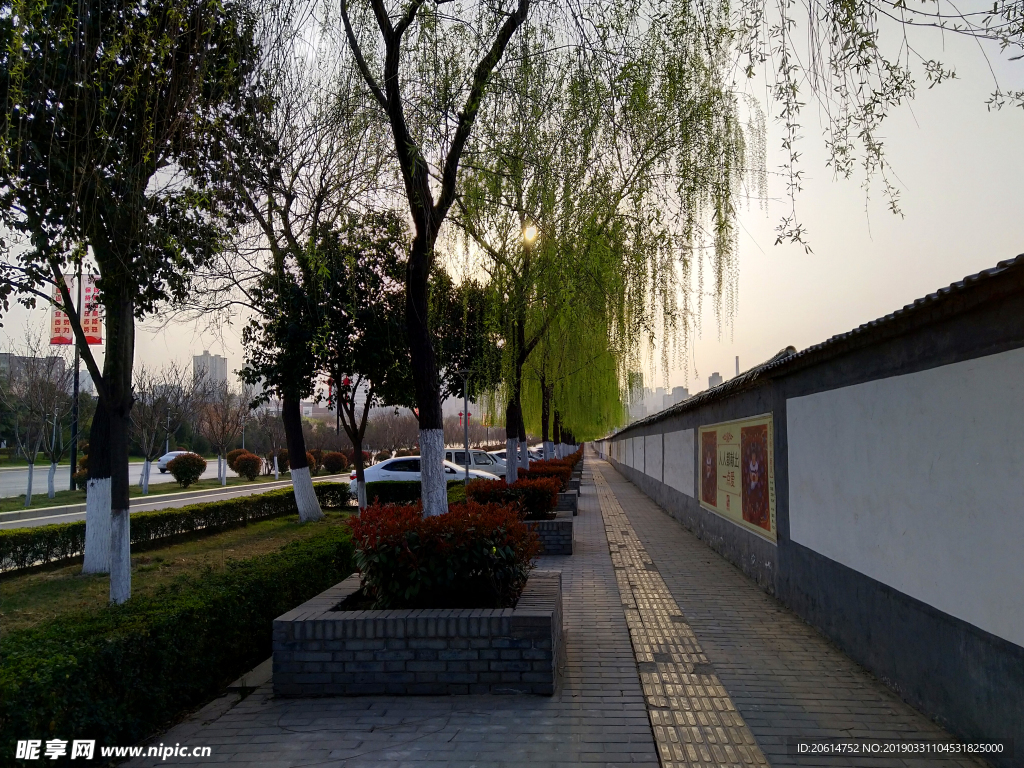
[
  {"x": 535, "y": 498},
  {"x": 25, "y": 547},
  {"x": 476, "y": 556},
  {"x": 119, "y": 674},
  {"x": 397, "y": 491}
]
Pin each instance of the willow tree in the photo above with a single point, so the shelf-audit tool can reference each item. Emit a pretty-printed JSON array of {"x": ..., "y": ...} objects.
[
  {"x": 114, "y": 114},
  {"x": 619, "y": 160}
]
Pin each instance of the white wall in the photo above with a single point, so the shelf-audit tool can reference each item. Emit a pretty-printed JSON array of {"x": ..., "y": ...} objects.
[
  {"x": 652, "y": 456},
  {"x": 918, "y": 482},
  {"x": 679, "y": 461},
  {"x": 629, "y": 452}
]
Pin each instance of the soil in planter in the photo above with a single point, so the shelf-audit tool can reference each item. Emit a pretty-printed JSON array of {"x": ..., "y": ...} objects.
[{"x": 455, "y": 598}]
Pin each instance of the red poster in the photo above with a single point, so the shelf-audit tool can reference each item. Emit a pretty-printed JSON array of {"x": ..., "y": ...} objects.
[
  {"x": 709, "y": 468},
  {"x": 60, "y": 324},
  {"x": 754, "y": 473}
]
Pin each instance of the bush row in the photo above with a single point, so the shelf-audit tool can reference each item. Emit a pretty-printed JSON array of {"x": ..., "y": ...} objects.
[
  {"x": 119, "y": 674},
  {"x": 398, "y": 491},
  {"x": 476, "y": 556},
  {"x": 25, "y": 547},
  {"x": 534, "y": 498}
]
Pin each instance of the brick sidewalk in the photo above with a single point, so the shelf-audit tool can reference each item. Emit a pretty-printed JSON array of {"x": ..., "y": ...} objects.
[
  {"x": 783, "y": 676},
  {"x": 597, "y": 717}
]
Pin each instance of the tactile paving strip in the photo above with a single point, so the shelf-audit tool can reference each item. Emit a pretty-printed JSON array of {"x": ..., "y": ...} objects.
[{"x": 694, "y": 721}]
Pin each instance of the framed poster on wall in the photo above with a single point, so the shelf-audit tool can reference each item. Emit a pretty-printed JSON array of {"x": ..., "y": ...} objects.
[{"x": 737, "y": 472}]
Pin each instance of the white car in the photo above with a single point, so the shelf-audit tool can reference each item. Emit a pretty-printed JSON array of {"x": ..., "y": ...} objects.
[
  {"x": 162, "y": 462},
  {"x": 408, "y": 468},
  {"x": 500, "y": 455},
  {"x": 481, "y": 460}
]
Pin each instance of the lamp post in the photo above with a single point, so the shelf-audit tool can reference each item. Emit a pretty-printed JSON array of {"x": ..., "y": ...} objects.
[{"x": 465, "y": 409}]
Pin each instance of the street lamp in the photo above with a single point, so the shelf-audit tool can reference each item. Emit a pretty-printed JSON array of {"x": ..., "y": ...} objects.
[{"x": 465, "y": 409}]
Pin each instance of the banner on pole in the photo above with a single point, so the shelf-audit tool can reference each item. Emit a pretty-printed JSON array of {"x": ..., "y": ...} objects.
[{"x": 92, "y": 322}]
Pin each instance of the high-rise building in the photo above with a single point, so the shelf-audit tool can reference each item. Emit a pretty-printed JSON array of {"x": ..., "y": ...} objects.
[
  {"x": 212, "y": 369},
  {"x": 714, "y": 379},
  {"x": 679, "y": 394}
]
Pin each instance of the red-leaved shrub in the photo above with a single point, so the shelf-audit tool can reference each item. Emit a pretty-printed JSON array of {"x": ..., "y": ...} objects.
[
  {"x": 335, "y": 462},
  {"x": 475, "y": 556},
  {"x": 550, "y": 468},
  {"x": 248, "y": 465},
  {"x": 536, "y": 498}
]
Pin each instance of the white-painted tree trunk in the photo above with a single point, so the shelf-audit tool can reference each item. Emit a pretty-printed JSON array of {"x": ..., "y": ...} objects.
[
  {"x": 549, "y": 450},
  {"x": 511, "y": 460},
  {"x": 50, "y": 491},
  {"x": 277, "y": 472},
  {"x": 97, "y": 526},
  {"x": 361, "y": 495},
  {"x": 305, "y": 496},
  {"x": 120, "y": 557},
  {"x": 142, "y": 476},
  {"x": 524, "y": 456},
  {"x": 146, "y": 467},
  {"x": 224, "y": 471},
  {"x": 28, "y": 491},
  {"x": 433, "y": 488}
]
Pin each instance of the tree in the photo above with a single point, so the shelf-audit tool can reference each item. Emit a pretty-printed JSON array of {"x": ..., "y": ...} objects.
[
  {"x": 360, "y": 310},
  {"x": 221, "y": 416},
  {"x": 37, "y": 392},
  {"x": 163, "y": 402},
  {"x": 493, "y": 28},
  {"x": 115, "y": 112},
  {"x": 303, "y": 166}
]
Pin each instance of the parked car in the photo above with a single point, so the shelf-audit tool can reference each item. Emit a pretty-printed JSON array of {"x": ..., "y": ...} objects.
[
  {"x": 535, "y": 455},
  {"x": 478, "y": 460},
  {"x": 163, "y": 461},
  {"x": 408, "y": 468}
]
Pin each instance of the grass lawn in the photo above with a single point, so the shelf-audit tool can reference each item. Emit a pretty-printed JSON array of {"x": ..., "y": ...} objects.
[
  {"x": 62, "y": 498},
  {"x": 27, "y": 599}
]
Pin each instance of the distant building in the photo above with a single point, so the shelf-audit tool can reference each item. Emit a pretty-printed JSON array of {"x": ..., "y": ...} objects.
[
  {"x": 714, "y": 380},
  {"x": 212, "y": 369},
  {"x": 679, "y": 394},
  {"x": 14, "y": 365}
]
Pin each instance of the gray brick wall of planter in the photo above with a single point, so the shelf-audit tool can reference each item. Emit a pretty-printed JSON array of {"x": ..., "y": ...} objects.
[
  {"x": 322, "y": 652},
  {"x": 555, "y": 535},
  {"x": 568, "y": 501}
]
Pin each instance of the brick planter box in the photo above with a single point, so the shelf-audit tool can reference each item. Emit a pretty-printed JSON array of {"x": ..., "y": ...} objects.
[
  {"x": 568, "y": 501},
  {"x": 555, "y": 535},
  {"x": 322, "y": 652}
]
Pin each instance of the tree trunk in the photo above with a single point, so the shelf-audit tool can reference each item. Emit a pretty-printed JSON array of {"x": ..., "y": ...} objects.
[
  {"x": 302, "y": 483},
  {"x": 277, "y": 472},
  {"x": 49, "y": 480},
  {"x": 558, "y": 435},
  {"x": 357, "y": 457},
  {"x": 146, "y": 465},
  {"x": 433, "y": 489},
  {"x": 524, "y": 456},
  {"x": 547, "y": 390},
  {"x": 120, "y": 535},
  {"x": 511, "y": 442},
  {"x": 224, "y": 470},
  {"x": 28, "y": 490},
  {"x": 97, "y": 495}
]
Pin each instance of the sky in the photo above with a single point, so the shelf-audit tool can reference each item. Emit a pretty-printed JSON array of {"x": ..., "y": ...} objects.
[{"x": 959, "y": 167}]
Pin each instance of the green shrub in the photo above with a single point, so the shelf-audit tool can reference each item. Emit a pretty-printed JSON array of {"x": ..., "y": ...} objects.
[
  {"x": 475, "y": 556},
  {"x": 535, "y": 498},
  {"x": 121, "y": 673},
  {"x": 25, "y": 547},
  {"x": 187, "y": 468},
  {"x": 232, "y": 455},
  {"x": 335, "y": 462},
  {"x": 248, "y": 465},
  {"x": 397, "y": 491}
]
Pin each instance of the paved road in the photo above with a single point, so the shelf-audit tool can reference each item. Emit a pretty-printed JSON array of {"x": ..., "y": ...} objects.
[{"x": 13, "y": 480}]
